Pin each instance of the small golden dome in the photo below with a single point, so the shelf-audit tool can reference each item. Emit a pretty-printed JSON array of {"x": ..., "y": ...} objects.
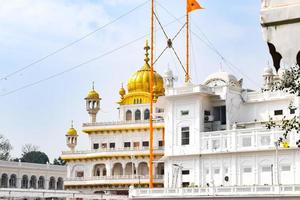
[
  {"x": 72, "y": 132},
  {"x": 122, "y": 91},
  {"x": 140, "y": 80},
  {"x": 93, "y": 94}
]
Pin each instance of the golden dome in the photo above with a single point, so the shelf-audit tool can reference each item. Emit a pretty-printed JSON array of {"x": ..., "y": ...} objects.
[
  {"x": 93, "y": 94},
  {"x": 140, "y": 80},
  {"x": 72, "y": 132}
]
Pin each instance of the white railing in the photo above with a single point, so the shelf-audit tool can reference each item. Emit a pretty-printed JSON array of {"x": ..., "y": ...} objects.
[
  {"x": 188, "y": 89},
  {"x": 282, "y": 190},
  {"x": 23, "y": 165},
  {"x": 243, "y": 140},
  {"x": 117, "y": 177},
  {"x": 122, "y": 122},
  {"x": 112, "y": 150}
]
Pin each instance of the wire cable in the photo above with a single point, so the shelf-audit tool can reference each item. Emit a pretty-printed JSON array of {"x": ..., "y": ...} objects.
[
  {"x": 210, "y": 45},
  {"x": 79, "y": 65},
  {"x": 71, "y": 43}
]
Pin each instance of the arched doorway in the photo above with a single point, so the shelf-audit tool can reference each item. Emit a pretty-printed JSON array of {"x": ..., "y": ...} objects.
[
  {"x": 4, "y": 181},
  {"x": 52, "y": 183},
  {"x": 100, "y": 170},
  {"x": 130, "y": 169},
  {"x": 60, "y": 184},
  {"x": 143, "y": 169},
  {"x": 24, "y": 182},
  {"x": 32, "y": 182},
  {"x": 13, "y": 181},
  {"x": 41, "y": 182},
  {"x": 117, "y": 169}
]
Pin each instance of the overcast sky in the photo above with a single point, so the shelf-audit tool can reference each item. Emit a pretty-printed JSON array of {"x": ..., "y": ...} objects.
[{"x": 31, "y": 29}]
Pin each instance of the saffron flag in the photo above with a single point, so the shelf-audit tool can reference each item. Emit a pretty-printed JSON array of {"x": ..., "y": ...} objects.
[{"x": 193, "y": 5}]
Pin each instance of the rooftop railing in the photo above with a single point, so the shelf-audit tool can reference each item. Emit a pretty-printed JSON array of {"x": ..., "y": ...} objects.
[
  {"x": 282, "y": 190},
  {"x": 122, "y": 122},
  {"x": 112, "y": 150},
  {"x": 117, "y": 177}
]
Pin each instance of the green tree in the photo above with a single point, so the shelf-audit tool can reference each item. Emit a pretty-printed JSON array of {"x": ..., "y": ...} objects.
[
  {"x": 290, "y": 83},
  {"x": 5, "y": 148},
  {"x": 35, "y": 157},
  {"x": 59, "y": 161}
]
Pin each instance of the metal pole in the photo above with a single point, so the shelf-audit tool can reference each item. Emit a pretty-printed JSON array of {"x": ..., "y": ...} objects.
[
  {"x": 151, "y": 98},
  {"x": 187, "y": 75}
]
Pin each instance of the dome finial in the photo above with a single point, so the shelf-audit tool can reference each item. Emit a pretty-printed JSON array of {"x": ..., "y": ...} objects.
[
  {"x": 147, "y": 48},
  {"x": 93, "y": 86},
  {"x": 72, "y": 124}
]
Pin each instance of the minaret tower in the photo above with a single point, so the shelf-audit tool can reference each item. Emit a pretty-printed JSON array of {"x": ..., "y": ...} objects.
[
  {"x": 268, "y": 78},
  {"x": 71, "y": 137},
  {"x": 93, "y": 104}
]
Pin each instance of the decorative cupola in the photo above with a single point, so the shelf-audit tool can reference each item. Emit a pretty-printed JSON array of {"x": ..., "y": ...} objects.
[
  {"x": 268, "y": 78},
  {"x": 122, "y": 92},
  {"x": 93, "y": 104},
  {"x": 71, "y": 138},
  {"x": 169, "y": 78}
]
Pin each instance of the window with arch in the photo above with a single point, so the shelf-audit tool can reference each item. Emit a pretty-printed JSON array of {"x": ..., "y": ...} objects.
[
  {"x": 60, "y": 184},
  {"x": 128, "y": 115},
  {"x": 146, "y": 114},
  {"x": 13, "y": 181},
  {"x": 137, "y": 115},
  {"x": 32, "y": 182},
  {"x": 52, "y": 183},
  {"x": 41, "y": 182},
  {"x": 24, "y": 183},
  {"x": 4, "y": 181}
]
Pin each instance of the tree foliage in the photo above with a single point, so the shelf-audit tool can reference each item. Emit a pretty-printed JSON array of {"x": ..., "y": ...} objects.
[
  {"x": 290, "y": 83},
  {"x": 5, "y": 148},
  {"x": 59, "y": 161},
  {"x": 35, "y": 157},
  {"x": 26, "y": 148}
]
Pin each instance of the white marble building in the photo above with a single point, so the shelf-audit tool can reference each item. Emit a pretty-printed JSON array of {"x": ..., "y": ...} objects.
[{"x": 32, "y": 176}]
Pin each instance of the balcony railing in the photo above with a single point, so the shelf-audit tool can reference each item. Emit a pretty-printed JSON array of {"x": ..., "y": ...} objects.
[
  {"x": 120, "y": 177},
  {"x": 282, "y": 190},
  {"x": 159, "y": 120},
  {"x": 112, "y": 150}
]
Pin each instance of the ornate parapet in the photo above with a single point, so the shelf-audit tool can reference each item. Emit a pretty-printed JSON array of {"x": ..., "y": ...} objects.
[{"x": 280, "y": 20}]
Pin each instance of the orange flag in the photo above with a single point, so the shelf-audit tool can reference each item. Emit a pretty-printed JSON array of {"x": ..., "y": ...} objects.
[{"x": 193, "y": 5}]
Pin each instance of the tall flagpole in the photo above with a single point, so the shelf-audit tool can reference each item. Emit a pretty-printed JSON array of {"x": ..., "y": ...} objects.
[
  {"x": 151, "y": 98},
  {"x": 187, "y": 75}
]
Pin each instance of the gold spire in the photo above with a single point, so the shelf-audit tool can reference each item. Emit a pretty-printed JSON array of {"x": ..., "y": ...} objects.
[{"x": 147, "y": 48}]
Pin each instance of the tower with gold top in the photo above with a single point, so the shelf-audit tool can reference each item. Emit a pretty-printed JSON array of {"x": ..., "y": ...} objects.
[{"x": 118, "y": 156}]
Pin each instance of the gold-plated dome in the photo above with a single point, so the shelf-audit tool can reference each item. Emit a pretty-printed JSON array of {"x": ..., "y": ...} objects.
[
  {"x": 72, "y": 131},
  {"x": 139, "y": 85},
  {"x": 93, "y": 94},
  {"x": 140, "y": 80}
]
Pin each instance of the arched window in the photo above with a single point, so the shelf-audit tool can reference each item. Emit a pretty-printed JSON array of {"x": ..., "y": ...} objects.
[
  {"x": 128, "y": 115},
  {"x": 52, "y": 183},
  {"x": 24, "y": 183},
  {"x": 41, "y": 182},
  {"x": 13, "y": 181},
  {"x": 60, "y": 184},
  {"x": 143, "y": 169},
  {"x": 146, "y": 114},
  {"x": 137, "y": 115},
  {"x": 32, "y": 182},
  {"x": 100, "y": 170},
  {"x": 117, "y": 169},
  {"x": 4, "y": 181}
]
